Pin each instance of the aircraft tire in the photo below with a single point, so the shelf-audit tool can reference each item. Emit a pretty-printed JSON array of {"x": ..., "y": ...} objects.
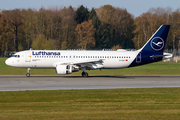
[
  {"x": 27, "y": 75},
  {"x": 84, "y": 74}
]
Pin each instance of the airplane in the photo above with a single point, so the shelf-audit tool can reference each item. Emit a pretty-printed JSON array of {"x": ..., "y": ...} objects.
[{"x": 68, "y": 61}]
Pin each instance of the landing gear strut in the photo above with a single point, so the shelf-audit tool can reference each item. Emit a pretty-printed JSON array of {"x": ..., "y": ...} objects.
[
  {"x": 28, "y": 72},
  {"x": 84, "y": 74}
]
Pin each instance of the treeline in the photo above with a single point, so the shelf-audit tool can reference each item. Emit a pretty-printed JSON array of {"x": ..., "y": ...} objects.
[
  {"x": 79, "y": 28},
  {"x": 147, "y": 23}
]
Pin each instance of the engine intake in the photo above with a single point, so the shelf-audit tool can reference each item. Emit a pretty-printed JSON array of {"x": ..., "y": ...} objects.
[{"x": 64, "y": 69}]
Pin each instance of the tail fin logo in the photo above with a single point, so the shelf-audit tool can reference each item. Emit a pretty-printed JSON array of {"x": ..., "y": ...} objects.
[{"x": 157, "y": 43}]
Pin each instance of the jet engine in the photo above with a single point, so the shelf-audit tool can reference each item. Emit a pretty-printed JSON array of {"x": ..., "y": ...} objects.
[
  {"x": 66, "y": 69},
  {"x": 63, "y": 69}
]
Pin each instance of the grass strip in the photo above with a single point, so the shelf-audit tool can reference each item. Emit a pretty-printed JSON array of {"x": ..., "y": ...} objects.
[{"x": 136, "y": 103}]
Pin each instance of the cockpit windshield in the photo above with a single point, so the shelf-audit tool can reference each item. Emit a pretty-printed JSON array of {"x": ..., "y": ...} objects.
[{"x": 16, "y": 56}]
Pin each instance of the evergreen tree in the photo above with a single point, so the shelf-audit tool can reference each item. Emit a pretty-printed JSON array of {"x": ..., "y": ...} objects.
[
  {"x": 82, "y": 14},
  {"x": 92, "y": 14}
]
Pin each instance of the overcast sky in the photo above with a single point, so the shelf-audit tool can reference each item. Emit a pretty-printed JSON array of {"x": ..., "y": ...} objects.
[{"x": 135, "y": 7}]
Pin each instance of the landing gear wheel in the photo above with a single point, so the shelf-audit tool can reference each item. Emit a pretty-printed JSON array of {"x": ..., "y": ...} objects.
[
  {"x": 84, "y": 74},
  {"x": 28, "y": 72},
  {"x": 27, "y": 75}
]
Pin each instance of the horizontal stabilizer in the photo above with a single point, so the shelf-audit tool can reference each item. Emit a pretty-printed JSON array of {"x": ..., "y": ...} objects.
[
  {"x": 158, "y": 56},
  {"x": 165, "y": 56}
]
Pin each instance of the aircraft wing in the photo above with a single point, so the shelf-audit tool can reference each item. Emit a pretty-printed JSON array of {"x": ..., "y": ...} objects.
[{"x": 84, "y": 63}]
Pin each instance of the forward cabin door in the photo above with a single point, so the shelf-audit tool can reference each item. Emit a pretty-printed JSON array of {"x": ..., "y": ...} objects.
[{"x": 28, "y": 56}]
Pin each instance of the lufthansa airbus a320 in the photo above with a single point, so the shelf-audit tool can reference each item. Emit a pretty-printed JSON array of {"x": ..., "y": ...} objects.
[{"x": 68, "y": 61}]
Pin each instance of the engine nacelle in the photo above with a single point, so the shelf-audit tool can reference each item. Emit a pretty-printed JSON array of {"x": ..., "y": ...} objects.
[{"x": 64, "y": 69}]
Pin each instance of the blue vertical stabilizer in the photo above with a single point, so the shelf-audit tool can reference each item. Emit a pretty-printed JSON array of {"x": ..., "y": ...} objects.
[{"x": 153, "y": 50}]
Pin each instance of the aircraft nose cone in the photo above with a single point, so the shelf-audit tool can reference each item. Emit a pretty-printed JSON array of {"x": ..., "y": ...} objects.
[{"x": 7, "y": 62}]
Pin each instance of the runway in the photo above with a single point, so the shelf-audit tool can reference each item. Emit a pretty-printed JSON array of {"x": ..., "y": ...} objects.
[{"x": 38, "y": 82}]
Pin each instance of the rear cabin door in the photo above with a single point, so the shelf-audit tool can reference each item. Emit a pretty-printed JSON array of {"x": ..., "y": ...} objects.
[{"x": 138, "y": 58}]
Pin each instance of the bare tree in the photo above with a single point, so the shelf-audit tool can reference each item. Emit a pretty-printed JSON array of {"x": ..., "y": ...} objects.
[{"x": 85, "y": 35}]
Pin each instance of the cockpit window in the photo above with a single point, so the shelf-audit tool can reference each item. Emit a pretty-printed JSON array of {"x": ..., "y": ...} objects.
[{"x": 16, "y": 56}]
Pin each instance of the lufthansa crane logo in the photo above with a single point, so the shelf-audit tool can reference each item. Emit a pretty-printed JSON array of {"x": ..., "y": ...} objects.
[{"x": 157, "y": 43}]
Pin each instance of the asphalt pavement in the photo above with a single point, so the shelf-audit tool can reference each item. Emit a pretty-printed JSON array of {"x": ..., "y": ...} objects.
[{"x": 38, "y": 82}]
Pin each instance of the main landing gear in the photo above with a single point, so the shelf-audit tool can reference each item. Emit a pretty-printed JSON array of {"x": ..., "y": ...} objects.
[
  {"x": 28, "y": 72},
  {"x": 84, "y": 74}
]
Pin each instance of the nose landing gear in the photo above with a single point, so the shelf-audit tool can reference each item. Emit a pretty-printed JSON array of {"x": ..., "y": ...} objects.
[{"x": 28, "y": 72}]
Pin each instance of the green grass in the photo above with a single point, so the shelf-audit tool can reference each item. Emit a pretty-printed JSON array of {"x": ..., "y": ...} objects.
[
  {"x": 111, "y": 104},
  {"x": 159, "y": 68}
]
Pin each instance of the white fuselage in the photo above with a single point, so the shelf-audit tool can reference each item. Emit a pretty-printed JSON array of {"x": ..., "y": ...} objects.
[{"x": 42, "y": 58}]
